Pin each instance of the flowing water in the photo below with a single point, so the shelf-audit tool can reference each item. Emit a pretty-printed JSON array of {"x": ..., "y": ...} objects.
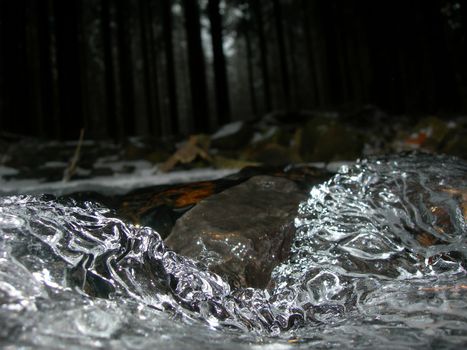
[{"x": 378, "y": 261}]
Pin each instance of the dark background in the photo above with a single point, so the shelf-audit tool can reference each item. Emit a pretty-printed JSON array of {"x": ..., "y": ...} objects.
[{"x": 162, "y": 67}]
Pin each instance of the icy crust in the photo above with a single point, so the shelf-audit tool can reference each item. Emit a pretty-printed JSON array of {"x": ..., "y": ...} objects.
[
  {"x": 377, "y": 226},
  {"x": 358, "y": 272},
  {"x": 63, "y": 246}
]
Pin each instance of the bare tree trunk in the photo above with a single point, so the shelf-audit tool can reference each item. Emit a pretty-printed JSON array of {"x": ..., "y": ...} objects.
[
  {"x": 257, "y": 9},
  {"x": 109, "y": 70},
  {"x": 220, "y": 74},
  {"x": 118, "y": 128},
  {"x": 295, "y": 93},
  {"x": 34, "y": 71},
  {"x": 282, "y": 52},
  {"x": 167, "y": 23},
  {"x": 196, "y": 64},
  {"x": 150, "y": 69},
  {"x": 312, "y": 73},
  {"x": 127, "y": 93},
  {"x": 13, "y": 52},
  {"x": 251, "y": 78},
  {"x": 52, "y": 45},
  {"x": 3, "y": 46}
]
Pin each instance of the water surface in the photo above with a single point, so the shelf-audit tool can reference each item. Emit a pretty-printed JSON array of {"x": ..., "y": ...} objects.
[{"x": 378, "y": 261}]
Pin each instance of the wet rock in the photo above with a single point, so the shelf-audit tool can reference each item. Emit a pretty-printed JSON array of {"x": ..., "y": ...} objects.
[
  {"x": 327, "y": 139},
  {"x": 160, "y": 206},
  {"x": 243, "y": 232},
  {"x": 232, "y": 136},
  {"x": 148, "y": 148},
  {"x": 274, "y": 146},
  {"x": 456, "y": 143},
  {"x": 428, "y": 134},
  {"x": 272, "y": 154},
  {"x": 221, "y": 162}
]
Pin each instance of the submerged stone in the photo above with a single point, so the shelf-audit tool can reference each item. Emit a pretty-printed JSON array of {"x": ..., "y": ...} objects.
[{"x": 243, "y": 232}]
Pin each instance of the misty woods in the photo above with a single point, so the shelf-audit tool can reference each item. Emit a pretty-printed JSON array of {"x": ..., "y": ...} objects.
[{"x": 174, "y": 67}]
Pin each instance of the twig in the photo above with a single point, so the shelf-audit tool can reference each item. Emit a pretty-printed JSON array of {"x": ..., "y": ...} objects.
[{"x": 73, "y": 163}]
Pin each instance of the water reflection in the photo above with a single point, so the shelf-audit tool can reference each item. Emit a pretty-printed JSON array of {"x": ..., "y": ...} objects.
[{"x": 379, "y": 258}]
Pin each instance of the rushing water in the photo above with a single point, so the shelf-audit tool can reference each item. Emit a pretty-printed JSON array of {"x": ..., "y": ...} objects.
[{"x": 379, "y": 261}]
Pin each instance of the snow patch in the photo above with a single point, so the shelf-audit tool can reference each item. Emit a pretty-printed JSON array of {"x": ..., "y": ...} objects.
[
  {"x": 228, "y": 129},
  {"x": 117, "y": 184},
  {"x": 262, "y": 136},
  {"x": 4, "y": 170}
]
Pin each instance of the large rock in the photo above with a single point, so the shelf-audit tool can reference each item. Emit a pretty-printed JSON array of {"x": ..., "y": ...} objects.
[{"x": 243, "y": 232}]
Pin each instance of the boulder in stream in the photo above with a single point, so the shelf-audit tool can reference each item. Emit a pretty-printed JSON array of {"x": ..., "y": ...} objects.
[{"x": 243, "y": 232}]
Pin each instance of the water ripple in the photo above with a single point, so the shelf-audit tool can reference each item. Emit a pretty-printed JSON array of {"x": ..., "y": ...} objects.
[{"x": 380, "y": 247}]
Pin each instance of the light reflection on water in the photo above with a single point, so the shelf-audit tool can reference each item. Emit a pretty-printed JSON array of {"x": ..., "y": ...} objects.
[{"x": 378, "y": 261}]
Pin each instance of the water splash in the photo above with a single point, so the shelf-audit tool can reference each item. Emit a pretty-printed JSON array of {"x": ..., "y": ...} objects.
[
  {"x": 380, "y": 248},
  {"x": 379, "y": 232},
  {"x": 64, "y": 246}
]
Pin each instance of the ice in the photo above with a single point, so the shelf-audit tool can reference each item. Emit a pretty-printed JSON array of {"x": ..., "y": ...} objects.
[{"x": 378, "y": 262}]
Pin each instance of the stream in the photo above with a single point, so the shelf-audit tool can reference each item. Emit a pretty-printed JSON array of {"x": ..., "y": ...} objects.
[{"x": 378, "y": 261}]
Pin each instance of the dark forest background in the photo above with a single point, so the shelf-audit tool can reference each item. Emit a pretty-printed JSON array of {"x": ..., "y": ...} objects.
[{"x": 175, "y": 67}]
